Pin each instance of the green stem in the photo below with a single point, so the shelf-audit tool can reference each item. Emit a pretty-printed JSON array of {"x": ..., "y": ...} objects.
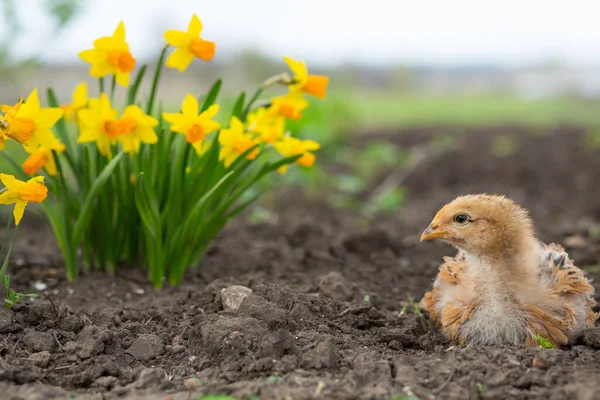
[
  {"x": 112, "y": 88},
  {"x": 5, "y": 234},
  {"x": 70, "y": 247},
  {"x": 5, "y": 264},
  {"x": 252, "y": 100},
  {"x": 101, "y": 82},
  {"x": 159, "y": 65}
]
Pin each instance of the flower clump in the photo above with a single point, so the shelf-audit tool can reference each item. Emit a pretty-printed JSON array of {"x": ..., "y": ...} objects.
[{"x": 131, "y": 184}]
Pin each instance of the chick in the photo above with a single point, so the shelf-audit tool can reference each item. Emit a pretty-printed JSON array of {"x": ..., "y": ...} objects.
[{"x": 504, "y": 287}]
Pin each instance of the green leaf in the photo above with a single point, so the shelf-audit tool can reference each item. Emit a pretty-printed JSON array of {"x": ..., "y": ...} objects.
[
  {"x": 86, "y": 209},
  {"x": 238, "y": 108},
  {"x": 211, "y": 97},
  {"x": 545, "y": 343},
  {"x": 132, "y": 92}
]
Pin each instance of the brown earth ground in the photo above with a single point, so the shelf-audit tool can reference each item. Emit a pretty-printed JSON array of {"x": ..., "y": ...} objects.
[{"x": 308, "y": 331}]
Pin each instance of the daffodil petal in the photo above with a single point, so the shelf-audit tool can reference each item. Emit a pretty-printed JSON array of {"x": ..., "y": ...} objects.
[
  {"x": 180, "y": 59},
  {"x": 120, "y": 32},
  {"x": 9, "y": 197},
  {"x": 19, "y": 210},
  {"x": 31, "y": 107},
  {"x": 93, "y": 56},
  {"x": 311, "y": 145},
  {"x": 175, "y": 38},
  {"x": 101, "y": 69},
  {"x": 147, "y": 135},
  {"x": 122, "y": 78},
  {"x": 195, "y": 26},
  {"x": 211, "y": 112},
  {"x": 190, "y": 107},
  {"x": 47, "y": 117},
  {"x": 10, "y": 182}
]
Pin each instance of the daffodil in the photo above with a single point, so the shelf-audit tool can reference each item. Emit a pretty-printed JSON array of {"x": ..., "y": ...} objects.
[
  {"x": 234, "y": 142},
  {"x": 80, "y": 101},
  {"x": 28, "y": 123},
  {"x": 42, "y": 157},
  {"x": 290, "y": 106},
  {"x": 194, "y": 126},
  {"x": 291, "y": 146},
  {"x": 267, "y": 124},
  {"x": 111, "y": 56},
  {"x": 139, "y": 128},
  {"x": 315, "y": 85},
  {"x": 20, "y": 193},
  {"x": 188, "y": 45},
  {"x": 99, "y": 124}
]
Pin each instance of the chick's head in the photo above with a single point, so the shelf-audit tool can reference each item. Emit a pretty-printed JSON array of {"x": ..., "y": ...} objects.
[{"x": 481, "y": 224}]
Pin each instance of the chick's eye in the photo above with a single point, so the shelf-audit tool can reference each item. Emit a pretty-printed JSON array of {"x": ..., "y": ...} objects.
[{"x": 461, "y": 219}]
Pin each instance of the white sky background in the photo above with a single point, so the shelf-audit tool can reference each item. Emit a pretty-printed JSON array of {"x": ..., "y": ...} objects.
[{"x": 443, "y": 32}]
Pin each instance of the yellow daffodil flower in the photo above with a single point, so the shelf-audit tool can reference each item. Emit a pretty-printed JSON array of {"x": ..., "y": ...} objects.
[
  {"x": 188, "y": 45},
  {"x": 234, "y": 142},
  {"x": 111, "y": 56},
  {"x": 20, "y": 193},
  {"x": 291, "y": 146},
  {"x": 268, "y": 125},
  {"x": 28, "y": 123},
  {"x": 42, "y": 157},
  {"x": 290, "y": 106},
  {"x": 315, "y": 85},
  {"x": 195, "y": 127},
  {"x": 80, "y": 101},
  {"x": 99, "y": 124},
  {"x": 139, "y": 128}
]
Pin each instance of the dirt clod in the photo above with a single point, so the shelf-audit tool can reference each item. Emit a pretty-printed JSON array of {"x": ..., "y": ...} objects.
[
  {"x": 39, "y": 341},
  {"x": 335, "y": 286},
  {"x": 6, "y": 321},
  {"x": 146, "y": 347},
  {"x": 322, "y": 356},
  {"x": 591, "y": 337},
  {"x": 233, "y": 296}
]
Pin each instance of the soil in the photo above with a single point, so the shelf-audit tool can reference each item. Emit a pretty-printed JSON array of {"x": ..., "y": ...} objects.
[{"x": 328, "y": 315}]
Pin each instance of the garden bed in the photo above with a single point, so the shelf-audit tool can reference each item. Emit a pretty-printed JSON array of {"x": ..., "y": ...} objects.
[{"x": 329, "y": 315}]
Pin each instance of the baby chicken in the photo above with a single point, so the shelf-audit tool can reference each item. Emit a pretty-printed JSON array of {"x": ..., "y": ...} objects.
[{"x": 504, "y": 287}]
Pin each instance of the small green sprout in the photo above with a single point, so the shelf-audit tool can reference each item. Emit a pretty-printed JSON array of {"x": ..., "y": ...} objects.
[
  {"x": 481, "y": 389},
  {"x": 412, "y": 306},
  {"x": 545, "y": 343},
  {"x": 273, "y": 379},
  {"x": 366, "y": 299}
]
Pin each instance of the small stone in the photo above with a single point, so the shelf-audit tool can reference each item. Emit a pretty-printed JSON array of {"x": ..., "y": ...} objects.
[
  {"x": 6, "y": 320},
  {"x": 107, "y": 382},
  {"x": 150, "y": 377},
  {"x": 539, "y": 363},
  {"x": 322, "y": 356},
  {"x": 335, "y": 286},
  {"x": 41, "y": 358},
  {"x": 233, "y": 296},
  {"x": 192, "y": 384},
  {"x": 178, "y": 349},
  {"x": 146, "y": 347},
  {"x": 323, "y": 328},
  {"x": 591, "y": 337},
  {"x": 39, "y": 341}
]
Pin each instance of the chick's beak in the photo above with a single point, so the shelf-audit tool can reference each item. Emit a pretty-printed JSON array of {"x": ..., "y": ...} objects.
[{"x": 433, "y": 232}]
